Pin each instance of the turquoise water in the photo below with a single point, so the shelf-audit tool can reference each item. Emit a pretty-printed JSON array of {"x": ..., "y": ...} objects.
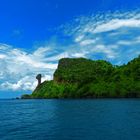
[{"x": 97, "y": 119}]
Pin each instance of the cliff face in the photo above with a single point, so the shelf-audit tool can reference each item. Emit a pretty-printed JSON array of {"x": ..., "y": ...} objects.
[
  {"x": 82, "y": 70},
  {"x": 79, "y": 78}
]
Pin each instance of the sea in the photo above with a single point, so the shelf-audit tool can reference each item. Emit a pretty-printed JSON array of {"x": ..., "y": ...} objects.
[{"x": 70, "y": 119}]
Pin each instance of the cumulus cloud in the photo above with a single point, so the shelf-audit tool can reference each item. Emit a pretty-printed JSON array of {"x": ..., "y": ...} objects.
[{"x": 19, "y": 68}]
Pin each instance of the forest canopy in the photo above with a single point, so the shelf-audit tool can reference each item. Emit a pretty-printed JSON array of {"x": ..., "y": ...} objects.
[{"x": 84, "y": 78}]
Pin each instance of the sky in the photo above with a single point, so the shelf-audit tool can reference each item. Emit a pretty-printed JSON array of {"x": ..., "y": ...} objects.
[{"x": 35, "y": 34}]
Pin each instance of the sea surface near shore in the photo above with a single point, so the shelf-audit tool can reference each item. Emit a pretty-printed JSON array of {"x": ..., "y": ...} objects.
[{"x": 67, "y": 119}]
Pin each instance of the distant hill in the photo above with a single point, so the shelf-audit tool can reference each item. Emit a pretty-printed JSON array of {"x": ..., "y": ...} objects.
[{"x": 84, "y": 78}]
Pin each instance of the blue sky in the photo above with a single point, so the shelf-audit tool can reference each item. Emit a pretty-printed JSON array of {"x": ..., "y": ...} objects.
[{"x": 35, "y": 34}]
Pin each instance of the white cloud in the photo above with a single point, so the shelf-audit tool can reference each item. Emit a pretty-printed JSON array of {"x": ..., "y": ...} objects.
[
  {"x": 25, "y": 83},
  {"x": 79, "y": 38},
  {"x": 130, "y": 42},
  {"x": 2, "y": 56},
  {"x": 106, "y": 50},
  {"x": 76, "y": 55},
  {"x": 109, "y": 36},
  {"x": 104, "y": 22},
  {"x": 58, "y": 56},
  {"x": 19, "y": 68},
  {"x": 42, "y": 50},
  {"x": 115, "y": 24},
  {"x": 87, "y": 42}
]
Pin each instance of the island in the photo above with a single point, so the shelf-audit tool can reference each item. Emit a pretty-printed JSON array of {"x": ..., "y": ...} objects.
[{"x": 84, "y": 78}]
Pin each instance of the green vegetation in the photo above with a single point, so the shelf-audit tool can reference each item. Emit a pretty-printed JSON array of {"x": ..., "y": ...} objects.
[{"x": 83, "y": 78}]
